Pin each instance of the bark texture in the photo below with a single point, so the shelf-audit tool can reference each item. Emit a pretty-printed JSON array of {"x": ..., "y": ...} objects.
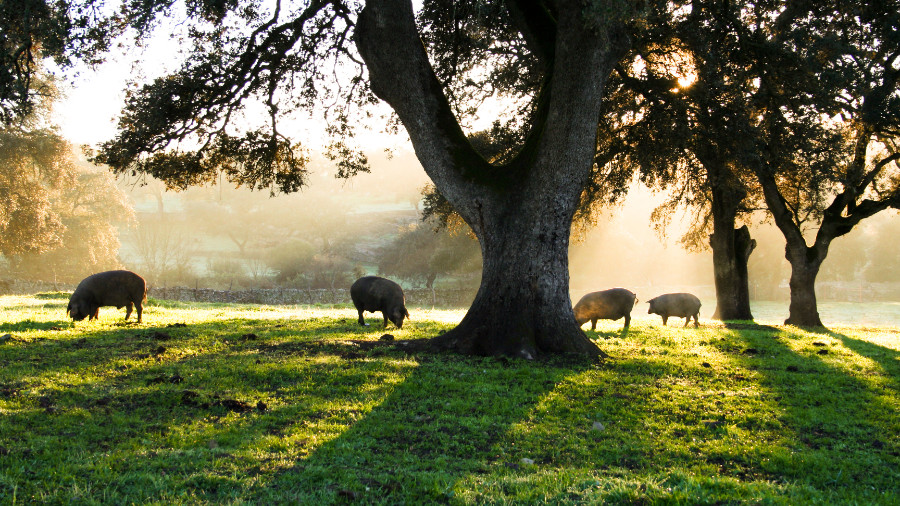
[
  {"x": 521, "y": 212},
  {"x": 805, "y": 263},
  {"x": 731, "y": 247},
  {"x": 731, "y": 253}
]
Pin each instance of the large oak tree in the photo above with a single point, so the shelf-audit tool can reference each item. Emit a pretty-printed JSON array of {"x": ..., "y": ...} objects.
[
  {"x": 521, "y": 211},
  {"x": 849, "y": 168}
]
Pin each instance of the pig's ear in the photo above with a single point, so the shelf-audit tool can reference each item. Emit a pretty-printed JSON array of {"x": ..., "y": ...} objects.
[{"x": 407, "y": 313}]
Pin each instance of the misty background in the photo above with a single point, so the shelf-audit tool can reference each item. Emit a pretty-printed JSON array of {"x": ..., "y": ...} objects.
[{"x": 334, "y": 231}]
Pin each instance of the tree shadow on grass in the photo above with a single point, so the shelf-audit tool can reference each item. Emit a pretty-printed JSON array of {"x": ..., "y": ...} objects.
[
  {"x": 198, "y": 422},
  {"x": 438, "y": 426},
  {"x": 607, "y": 334},
  {"x": 212, "y": 403},
  {"x": 129, "y": 350},
  {"x": 46, "y": 356},
  {"x": 29, "y": 325},
  {"x": 887, "y": 358},
  {"x": 94, "y": 345},
  {"x": 840, "y": 421},
  {"x": 748, "y": 325}
]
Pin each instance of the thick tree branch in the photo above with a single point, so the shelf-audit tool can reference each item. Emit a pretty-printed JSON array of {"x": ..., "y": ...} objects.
[
  {"x": 401, "y": 75},
  {"x": 778, "y": 206},
  {"x": 870, "y": 176}
]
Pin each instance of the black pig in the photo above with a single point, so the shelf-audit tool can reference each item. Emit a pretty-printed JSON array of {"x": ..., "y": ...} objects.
[
  {"x": 372, "y": 293},
  {"x": 609, "y": 304},
  {"x": 110, "y": 288},
  {"x": 685, "y": 305}
]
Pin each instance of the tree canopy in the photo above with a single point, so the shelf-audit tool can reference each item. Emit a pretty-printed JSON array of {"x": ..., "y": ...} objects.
[
  {"x": 847, "y": 119},
  {"x": 63, "y": 31}
]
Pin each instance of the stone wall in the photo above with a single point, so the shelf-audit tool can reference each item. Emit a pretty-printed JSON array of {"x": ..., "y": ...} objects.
[
  {"x": 417, "y": 297},
  {"x": 414, "y": 296}
]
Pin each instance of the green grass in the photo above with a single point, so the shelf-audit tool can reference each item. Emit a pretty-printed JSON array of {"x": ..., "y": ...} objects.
[{"x": 232, "y": 404}]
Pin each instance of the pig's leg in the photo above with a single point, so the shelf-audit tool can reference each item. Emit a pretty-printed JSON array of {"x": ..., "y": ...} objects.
[
  {"x": 627, "y": 320},
  {"x": 128, "y": 308},
  {"x": 665, "y": 319},
  {"x": 362, "y": 321},
  {"x": 594, "y": 324}
]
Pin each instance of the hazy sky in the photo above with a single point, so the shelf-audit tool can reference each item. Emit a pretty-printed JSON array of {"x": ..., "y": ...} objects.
[{"x": 93, "y": 98}]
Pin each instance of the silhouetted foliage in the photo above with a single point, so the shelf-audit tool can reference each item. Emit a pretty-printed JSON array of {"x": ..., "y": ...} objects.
[{"x": 63, "y": 31}]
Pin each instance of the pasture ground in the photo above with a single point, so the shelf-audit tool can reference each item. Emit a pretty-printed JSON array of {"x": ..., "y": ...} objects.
[{"x": 236, "y": 404}]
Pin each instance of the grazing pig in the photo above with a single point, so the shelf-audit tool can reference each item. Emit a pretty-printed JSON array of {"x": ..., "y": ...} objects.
[
  {"x": 110, "y": 288},
  {"x": 372, "y": 293},
  {"x": 676, "y": 304},
  {"x": 609, "y": 304}
]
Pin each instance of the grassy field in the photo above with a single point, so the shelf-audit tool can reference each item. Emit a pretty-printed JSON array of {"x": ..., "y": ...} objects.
[{"x": 228, "y": 404}]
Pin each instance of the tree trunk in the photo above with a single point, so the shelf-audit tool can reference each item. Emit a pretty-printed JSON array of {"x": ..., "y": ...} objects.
[
  {"x": 804, "y": 311},
  {"x": 805, "y": 260},
  {"x": 522, "y": 307},
  {"x": 731, "y": 253},
  {"x": 731, "y": 247}
]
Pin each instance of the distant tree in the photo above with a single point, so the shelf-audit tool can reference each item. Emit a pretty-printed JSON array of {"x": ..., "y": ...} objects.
[
  {"x": 91, "y": 209},
  {"x": 331, "y": 271},
  {"x": 291, "y": 260},
  {"x": 223, "y": 271},
  {"x": 255, "y": 264},
  {"x": 686, "y": 85},
  {"x": 164, "y": 248},
  {"x": 34, "y": 168},
  {"x": 421, "y": 253},
  {"x": 57, "y": 220},
  {"x": 244, "y": 218},
  {"x": 326, "y": 220}
]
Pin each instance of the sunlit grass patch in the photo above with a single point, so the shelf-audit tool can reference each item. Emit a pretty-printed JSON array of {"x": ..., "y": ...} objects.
[{"x": 218, "y": 403}]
